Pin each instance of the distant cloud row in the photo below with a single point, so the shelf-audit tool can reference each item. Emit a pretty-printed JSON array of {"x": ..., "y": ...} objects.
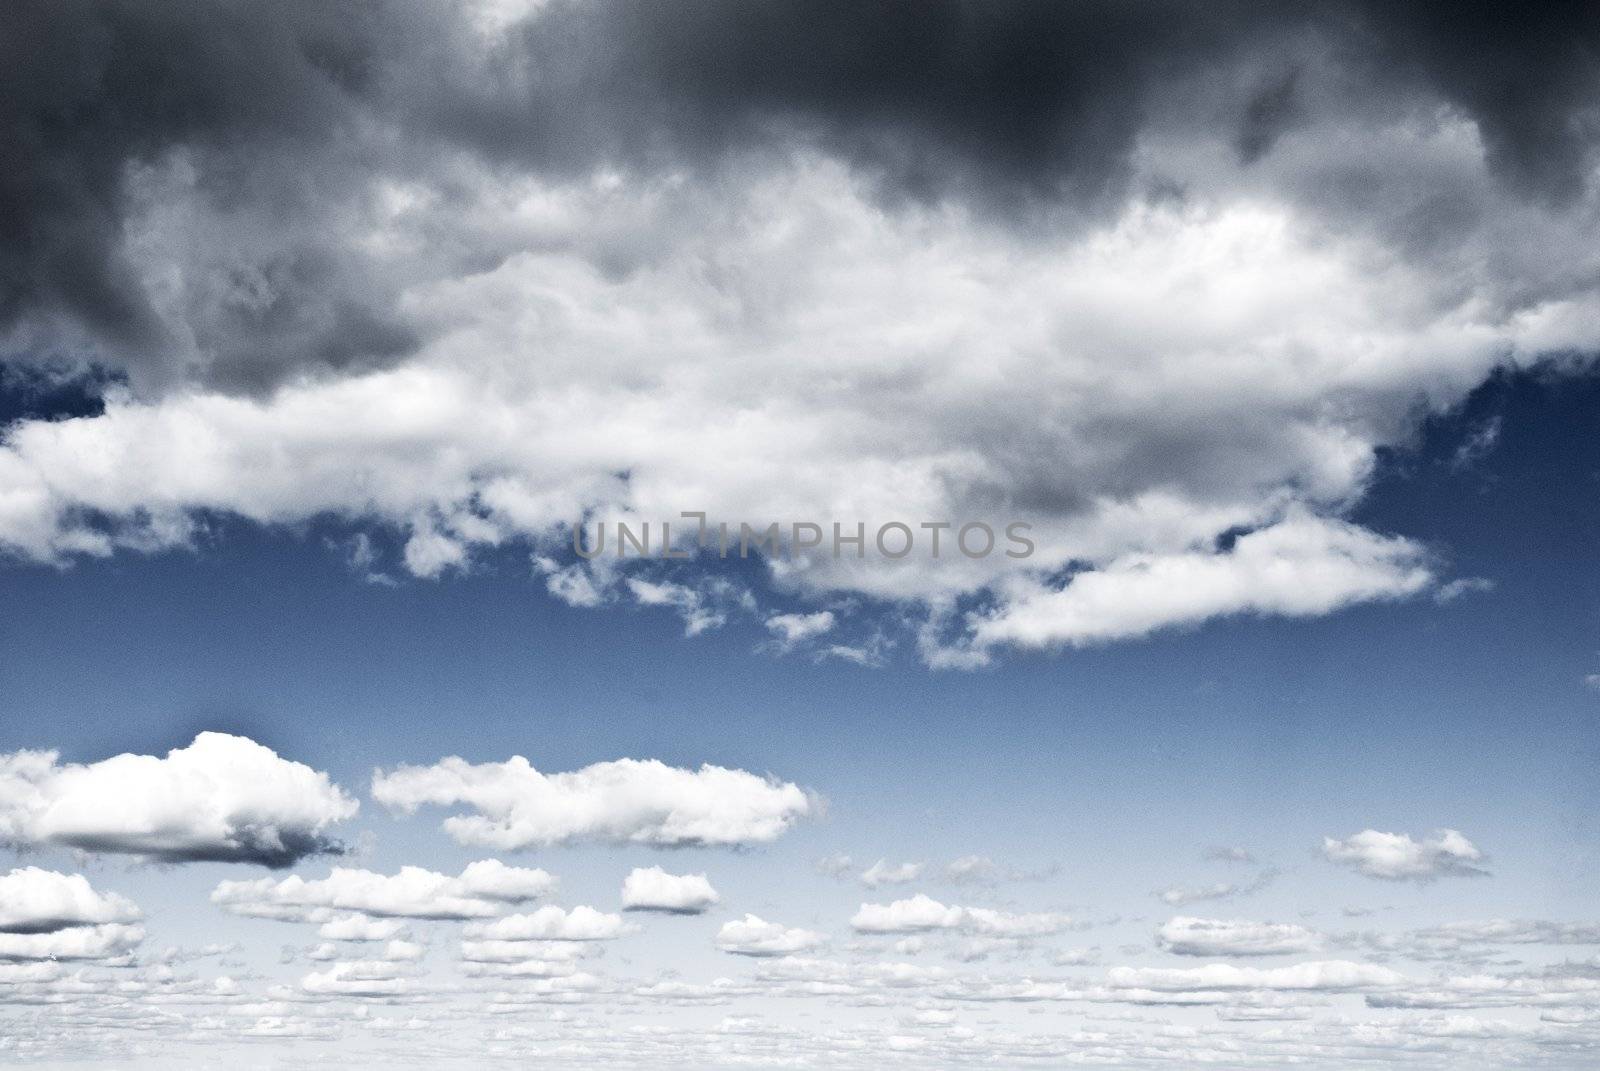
[
  {"x": 226, "y": 798},
  {"x": 229, "y": 799}
]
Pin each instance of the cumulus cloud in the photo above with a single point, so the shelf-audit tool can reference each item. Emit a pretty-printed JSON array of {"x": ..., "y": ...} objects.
[
  {"x": 1186, "y": 936},
  {"x": 46, "y": 915},
  {"x": 103, "y": 942},
  {"x": 653, "y": 889},
  {"x": 484, "y": 888},
  {"x": 398, "y": 951},
  {"x": 33, "y": 900},
  {"x": 551, "y": 923},
  {"x": 754, "y": 936},
  {"x": 922, "y": 913},
  {"x": 1300, "y": 566},
  {"x": 625, "y": 801},
  {"x": 360, "y": 928},
  {"x": 359, "y": 978},
  {"x": 221, "y": 799},
  {"x": 1399, "y": 857}
]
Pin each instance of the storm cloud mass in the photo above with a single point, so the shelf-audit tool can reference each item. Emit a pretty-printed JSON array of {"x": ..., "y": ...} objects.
[{"x": 1145, "y": 276}]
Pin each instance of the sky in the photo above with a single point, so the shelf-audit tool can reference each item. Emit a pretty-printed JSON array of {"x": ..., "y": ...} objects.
[{"x": 1259, "y": 338}]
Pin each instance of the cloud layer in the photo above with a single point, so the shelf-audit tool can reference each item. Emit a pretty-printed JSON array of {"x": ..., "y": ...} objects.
[{"x": 1161, "y": 287}]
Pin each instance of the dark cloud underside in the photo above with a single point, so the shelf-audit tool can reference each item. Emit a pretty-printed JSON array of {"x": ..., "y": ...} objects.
[{"x": 288, "y": 113}]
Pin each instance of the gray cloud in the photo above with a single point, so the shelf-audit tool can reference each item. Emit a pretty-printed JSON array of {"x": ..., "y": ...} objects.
[
  {"x": 186, "y": 185},
  {"x": 248, "y": 110}
]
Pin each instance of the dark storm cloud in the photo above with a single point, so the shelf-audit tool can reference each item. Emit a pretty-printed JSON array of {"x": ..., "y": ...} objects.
[
  {"x": 1269, "y": 112},
  {"x": 90, "y": 91},
  {"x": 1041, "y": 96},
  {"x": 1528, "y": 74},
  {"x": 287, "y": 114}
]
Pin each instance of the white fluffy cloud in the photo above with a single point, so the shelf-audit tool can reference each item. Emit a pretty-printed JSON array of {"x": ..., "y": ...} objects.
[
  {"x": 33, "y": 900},
  {"x": 1299, "y": 567},
  {"x": 626, "y": 801},
  {"x": 485, "y": 888},
  {"x": 755, "y": 936},
  {"x": 46, "y": 915},
  {"x": 360, "y": 928},
  {"x": 551, "y": 923},
  {"x": 1399, "y": 857},
  {"x": 1185, "y": 936},
  {"x": 921, "y": 913},
  {"x": 653, "y": 889},
  {"x": 223, "y": 798},
  {"x": 1132, "y": 389},
  {"x": 359, "y": 978},
  {"x": 103, "y": 942}
]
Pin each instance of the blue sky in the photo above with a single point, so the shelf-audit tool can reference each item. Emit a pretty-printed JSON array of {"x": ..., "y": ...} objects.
[
  {"x": 267, "y": 632},
  {"x": 1097, "y": 777}
]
